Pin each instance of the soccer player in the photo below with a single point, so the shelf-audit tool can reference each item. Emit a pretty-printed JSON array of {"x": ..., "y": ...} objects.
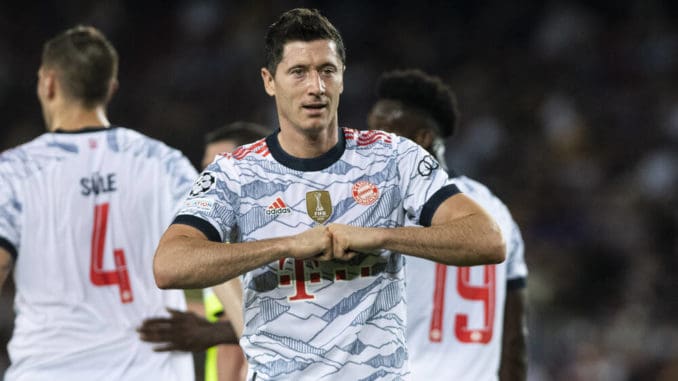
[
  {"x": 456, "y": 315},
  {"x": 186, "y": 331},
  {"x": 82, "y": 208},
  {"x": 320, "y": 212}
]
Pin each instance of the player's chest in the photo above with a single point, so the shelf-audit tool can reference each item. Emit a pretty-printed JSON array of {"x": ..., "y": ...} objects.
[{"x": 364, "y": 198}]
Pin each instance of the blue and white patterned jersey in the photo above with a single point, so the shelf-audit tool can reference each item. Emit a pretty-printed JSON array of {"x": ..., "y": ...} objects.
[
  {"x": 310, "y": 320},
  {"x": 456, "y": 314},
  {"x": 83, "y": 213}
]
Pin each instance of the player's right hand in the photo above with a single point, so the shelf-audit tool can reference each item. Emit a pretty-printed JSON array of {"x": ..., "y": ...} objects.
[{"x": 315, "y": 242}]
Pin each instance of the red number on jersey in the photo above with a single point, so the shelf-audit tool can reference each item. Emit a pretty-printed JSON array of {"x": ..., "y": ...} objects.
[
  {"x": 97, "y": 275},
  {"x": 484, "y": 293}
]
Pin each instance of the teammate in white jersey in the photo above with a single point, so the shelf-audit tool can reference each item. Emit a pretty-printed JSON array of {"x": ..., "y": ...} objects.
[
  {"x": 320, "y": 213},
  {"x": 456, "y": 315},
  {"x": 82, "y": 208},
  {"x": 186, "y": 331}
]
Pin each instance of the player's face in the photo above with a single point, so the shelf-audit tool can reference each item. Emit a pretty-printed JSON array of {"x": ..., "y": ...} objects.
[
  {"x": 307, "y": 84},
  {"x": 388, "y": 115},
  {"x": 215, "y": 148}
]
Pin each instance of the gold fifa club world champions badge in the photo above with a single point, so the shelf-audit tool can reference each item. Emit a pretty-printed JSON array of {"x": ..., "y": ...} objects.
[{"x": 319, "y": 205}]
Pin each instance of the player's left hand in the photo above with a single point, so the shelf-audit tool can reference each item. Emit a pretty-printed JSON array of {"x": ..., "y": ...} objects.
[
  {"x": 348, "y": 241},
  {"x": 182, "y": 331}
]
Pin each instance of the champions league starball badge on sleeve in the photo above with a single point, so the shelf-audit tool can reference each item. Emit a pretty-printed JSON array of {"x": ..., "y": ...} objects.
[{"x": 203, "y": 184}]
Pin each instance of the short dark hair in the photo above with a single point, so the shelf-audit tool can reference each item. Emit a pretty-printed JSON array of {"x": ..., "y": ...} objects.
[
  {"x": 299, "y": 24},
  {"x": 85, "y": 61},
  {"x": 416, "y": 89},
  {"x": 239, "y": 132}
]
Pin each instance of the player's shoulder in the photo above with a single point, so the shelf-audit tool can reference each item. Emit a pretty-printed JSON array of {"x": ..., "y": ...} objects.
[
  {"x": 24, "y": 148},
  {"x": 128, "y": 140},
  {"x": 368, "y": 138},
  {"x": 255, "y": 150},
  {"x": 153, "y": 152},
  {"x": 28, "y": 157},
  {"x": 475, "y": 187},
  {"x": 484, "y": 196},
  {"x": 481, "y": 194}
]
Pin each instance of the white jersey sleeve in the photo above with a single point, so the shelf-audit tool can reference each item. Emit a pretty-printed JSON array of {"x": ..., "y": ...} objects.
[
  {"x": 455, "y": 314},
  {"x": 214, "y": 198},
  {"x": 516, "y": 268},
  {"x": 10, "y": 207},
  {"x": 424, "y": 182},
  {"x": 84, "y": 212}
]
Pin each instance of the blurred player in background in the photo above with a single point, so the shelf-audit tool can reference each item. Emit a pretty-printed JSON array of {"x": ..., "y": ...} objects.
[
  {"x": 320, "y": 212},
  {"x": 456, "y": 315},
  {"x": 82, "y": 208},
  {"x": 186, "y": 331}
]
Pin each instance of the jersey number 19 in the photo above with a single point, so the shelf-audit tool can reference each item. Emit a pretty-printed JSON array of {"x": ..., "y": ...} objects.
[{"x": 484, "y": 293}]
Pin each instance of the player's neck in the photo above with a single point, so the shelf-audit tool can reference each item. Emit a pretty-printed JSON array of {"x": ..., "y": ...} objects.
[
  {"x": 307, "y": 144},
  {"x": 77, "y": 118}
]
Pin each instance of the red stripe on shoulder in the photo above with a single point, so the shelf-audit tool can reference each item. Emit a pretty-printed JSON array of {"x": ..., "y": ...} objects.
[
  {"x": 259, "y": 147},
  {"x": 349, "y": 133},
  {"x": 372, "y": 136}
]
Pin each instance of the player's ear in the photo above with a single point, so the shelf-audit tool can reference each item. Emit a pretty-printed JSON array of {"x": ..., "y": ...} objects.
[
  {"x": 47, "y": 83},
  {"x": 341, "y": 88},
  {"x": 112, "y": 88},
  {"x": 269, "y": 81}
]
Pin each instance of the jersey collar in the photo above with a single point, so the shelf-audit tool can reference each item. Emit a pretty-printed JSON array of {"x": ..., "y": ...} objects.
[
  {"x": 306, "y": 165},
  {"x": 83, "y": 130}
]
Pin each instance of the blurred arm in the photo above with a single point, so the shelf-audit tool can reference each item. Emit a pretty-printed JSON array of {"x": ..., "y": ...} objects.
[
  {"x": 514, "y": 352},
  {"x": 185, "y": 331},
  {"x": 231, "y": 363},
  {"x": 6, "y": 263},
  {"x": 230, "y": 296}
]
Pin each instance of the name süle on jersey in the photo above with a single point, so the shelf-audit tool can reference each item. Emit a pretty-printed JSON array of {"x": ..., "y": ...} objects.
[{"x": 97, "y": 183}]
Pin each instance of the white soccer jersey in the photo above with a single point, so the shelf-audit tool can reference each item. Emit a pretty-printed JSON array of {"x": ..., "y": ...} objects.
[
  {"x": 456, "y": 314},
  {"x": 310, "y": 320},
  {"x": 83, "y": 213}
]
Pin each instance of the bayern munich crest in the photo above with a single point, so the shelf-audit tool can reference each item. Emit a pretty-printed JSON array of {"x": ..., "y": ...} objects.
[{"x": 365, "y": 193}]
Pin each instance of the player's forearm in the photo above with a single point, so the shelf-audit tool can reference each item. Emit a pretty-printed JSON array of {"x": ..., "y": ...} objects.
[
  {"x": 467, "y": 241},
  {"x": 514, "y": 348},
  {"x": 188, "y": 262},
  {"x": 513, "y": 357},
  {"x": 513, "y": 365}
]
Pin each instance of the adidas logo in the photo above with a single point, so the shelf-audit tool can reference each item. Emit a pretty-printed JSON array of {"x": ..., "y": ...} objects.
[{"x": 278, "y": 207}]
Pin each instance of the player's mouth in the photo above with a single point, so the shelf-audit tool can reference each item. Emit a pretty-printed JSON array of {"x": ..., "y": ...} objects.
[{"x": 314, "y": 108}]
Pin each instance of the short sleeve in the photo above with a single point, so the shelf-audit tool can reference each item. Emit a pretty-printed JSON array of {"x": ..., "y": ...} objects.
[
  {"x": 212, "y": 201},
  {"x": 516, "y": 268},
  {"x": 10, "y": 215},
  {"x": 423, "y": 182}
]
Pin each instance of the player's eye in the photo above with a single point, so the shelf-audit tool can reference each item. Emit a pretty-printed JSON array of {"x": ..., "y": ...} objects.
[
  {"x": 297, "y": 72},
  {"x": 329, "y": 70}
]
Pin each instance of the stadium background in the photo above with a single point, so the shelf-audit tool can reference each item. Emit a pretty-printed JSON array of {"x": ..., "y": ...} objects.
[{"x": 569, "y": 113}]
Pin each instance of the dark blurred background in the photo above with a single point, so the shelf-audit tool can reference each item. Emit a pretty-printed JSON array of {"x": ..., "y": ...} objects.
[{"x": 569, "y": 113}]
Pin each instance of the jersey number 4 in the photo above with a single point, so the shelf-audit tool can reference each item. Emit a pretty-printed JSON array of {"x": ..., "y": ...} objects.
[
  {"x": 97, "y": 274},
  {"x": 484, "y": 293}
]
